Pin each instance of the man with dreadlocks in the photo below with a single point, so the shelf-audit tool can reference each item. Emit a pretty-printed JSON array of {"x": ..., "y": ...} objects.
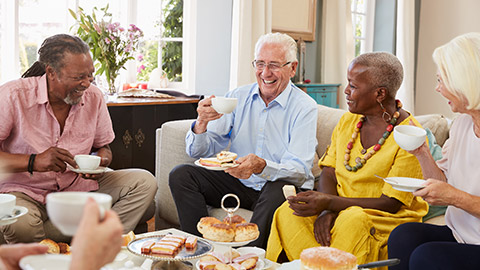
[{"x": 47, "y": 117}]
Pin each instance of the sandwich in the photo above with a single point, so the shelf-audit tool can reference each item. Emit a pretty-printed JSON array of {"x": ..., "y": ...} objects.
[{"x": 224, "y": 159}]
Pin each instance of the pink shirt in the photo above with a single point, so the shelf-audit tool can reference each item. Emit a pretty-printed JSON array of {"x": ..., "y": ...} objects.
[
  {"x": 28, "y": 126},
  {"x": 461, "y": 153}
]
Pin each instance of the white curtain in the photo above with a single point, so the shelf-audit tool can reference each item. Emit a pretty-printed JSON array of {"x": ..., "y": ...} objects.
[
  {"x": 251, "y": 19},
  {"x": 405, "y": 51},
  {"x": 337, "y": 48}
]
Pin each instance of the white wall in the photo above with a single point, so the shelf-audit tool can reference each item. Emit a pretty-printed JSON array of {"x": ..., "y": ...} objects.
[
  {"x": 440, "y": 21},
  {"x": 214, "y": 23}
]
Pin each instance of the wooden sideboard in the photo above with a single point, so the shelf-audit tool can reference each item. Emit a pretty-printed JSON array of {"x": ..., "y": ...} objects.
[{"x": 135, "y": 121}]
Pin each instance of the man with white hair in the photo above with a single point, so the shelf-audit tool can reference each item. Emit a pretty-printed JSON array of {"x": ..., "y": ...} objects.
[{"x": 273, "y": 132}]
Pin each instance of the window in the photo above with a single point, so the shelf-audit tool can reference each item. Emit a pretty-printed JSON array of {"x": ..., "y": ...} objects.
[
  {"x": 171, "y": 40},
  {"x": 362, "y": 21},
  {"x": 29, "y": 22}
]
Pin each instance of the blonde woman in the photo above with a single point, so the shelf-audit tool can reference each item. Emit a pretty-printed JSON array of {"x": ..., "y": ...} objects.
[{"x": 455, "y": 179}]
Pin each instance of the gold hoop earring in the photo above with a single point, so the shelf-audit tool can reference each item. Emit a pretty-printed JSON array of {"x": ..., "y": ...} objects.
[{"x": 385, "y": 113}]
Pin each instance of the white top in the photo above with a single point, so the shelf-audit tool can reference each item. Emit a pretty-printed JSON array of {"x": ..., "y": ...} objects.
[{"x": 461, "y": 154}]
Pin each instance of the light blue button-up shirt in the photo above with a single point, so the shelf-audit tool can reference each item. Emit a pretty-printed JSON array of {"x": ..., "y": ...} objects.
[{"x": 284, "y": 134}]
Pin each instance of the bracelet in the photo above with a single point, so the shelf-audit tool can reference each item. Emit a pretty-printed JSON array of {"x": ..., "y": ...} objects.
[{"x": 30, "y": 163}]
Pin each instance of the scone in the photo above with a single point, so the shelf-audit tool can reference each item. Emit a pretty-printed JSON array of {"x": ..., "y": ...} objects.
[
  {"x": 234, "y": 219},
  {"x": 246, "y": 232},
  {"x": 219, "y": 232},
  {"x": 206, "y": 222},
  {"x": 53, "y": 247}
]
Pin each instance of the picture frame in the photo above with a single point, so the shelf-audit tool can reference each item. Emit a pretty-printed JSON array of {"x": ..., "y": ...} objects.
[{"x": 295, "y": 18}]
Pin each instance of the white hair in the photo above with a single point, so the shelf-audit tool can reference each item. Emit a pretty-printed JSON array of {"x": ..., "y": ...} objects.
[
  {"x": 458, "y": 62},
  {"x": 288, "y": 43}
]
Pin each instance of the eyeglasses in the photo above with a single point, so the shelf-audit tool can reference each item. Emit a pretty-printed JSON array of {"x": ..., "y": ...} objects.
[{"x": 260, "y": 65}]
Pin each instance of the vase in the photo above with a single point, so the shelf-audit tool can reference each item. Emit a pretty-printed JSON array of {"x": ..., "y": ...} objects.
[{"x": 113, "y": 85}]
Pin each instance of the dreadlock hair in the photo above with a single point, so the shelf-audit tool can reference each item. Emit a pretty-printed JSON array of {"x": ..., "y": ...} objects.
[{"x": 53, "y": 50}]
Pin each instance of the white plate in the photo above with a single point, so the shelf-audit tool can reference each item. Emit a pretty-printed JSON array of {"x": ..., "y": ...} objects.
[
  {"x": 405, "y": 183},
  {"x": 197, "y": 162},
  {"x": 260, "y": 265},
  {"x": 293, "y": 265},
  {"x": 96, "y": 171},
  {"x": 13, "y": 219},
  {"x": 45, "y": 261}
]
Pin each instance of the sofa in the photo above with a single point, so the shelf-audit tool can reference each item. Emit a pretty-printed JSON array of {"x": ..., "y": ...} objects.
[{"x": 170, "y": 152}]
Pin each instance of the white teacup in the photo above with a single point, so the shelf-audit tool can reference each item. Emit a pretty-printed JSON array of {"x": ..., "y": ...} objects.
[
  {"x": 65, "y": 209},
  {"x": 409, "y": 137},
  {"x": 7, "y": 203},
  {"x": 87, "y": 162},
  {"x": 224, "y": 105}
]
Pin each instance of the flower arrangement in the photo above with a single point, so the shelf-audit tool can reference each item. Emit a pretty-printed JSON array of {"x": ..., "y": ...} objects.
[{"x": 111, "y": 45}]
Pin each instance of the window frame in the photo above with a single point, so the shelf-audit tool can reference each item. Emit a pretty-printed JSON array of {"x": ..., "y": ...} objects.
[
  {"x": 9, "y": 51},
  {"x": 367, "y": 27}
]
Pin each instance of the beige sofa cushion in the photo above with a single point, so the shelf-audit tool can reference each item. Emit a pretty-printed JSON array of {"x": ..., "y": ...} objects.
[{"x": 437, "y": 124}]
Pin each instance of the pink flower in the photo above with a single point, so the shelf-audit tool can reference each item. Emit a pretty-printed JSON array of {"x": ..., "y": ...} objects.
[
  {"x": 140, "y": 57},
  {"x": 140, "y": 68},
  {"x": 107, "y": 40},
  {"x": 97, "y": 28}
]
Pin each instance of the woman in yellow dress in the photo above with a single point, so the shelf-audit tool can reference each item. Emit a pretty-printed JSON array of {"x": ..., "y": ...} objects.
[{"x": 353, "y": 210}]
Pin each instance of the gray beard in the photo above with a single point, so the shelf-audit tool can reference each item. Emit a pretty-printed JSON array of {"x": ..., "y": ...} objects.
[{"x": 70, "y": 101}]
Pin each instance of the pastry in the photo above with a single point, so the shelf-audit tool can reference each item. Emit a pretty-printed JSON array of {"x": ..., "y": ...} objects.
[
  {"x": 234, "y": 219},
  {"x": 225, "y": 159},
  {"x": 206, "y": 222},
  {"x": 127, "y": 238},
  {"x": 207, "y": 265},
  {"x": 326, "y": 258},
  {"x": 226, "y": 156},
  {"x": 53, "y": 247},
  {"x": 191, "y": 242},
  {"x": 216, "y": 230},
  {"x": 289, "y": 190},
  {"x": 246, "y": 232},
  {"x": 219, "y": 232},
  {"x": 64, "y": 248},
  {"x": 147, "y": 247},
  {"x": 163, "y": 249}
]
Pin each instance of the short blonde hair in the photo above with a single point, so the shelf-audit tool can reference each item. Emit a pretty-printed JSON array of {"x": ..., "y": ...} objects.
[
  {"x": 288, "y": 43},
  {"x": 458, "y": 62}
]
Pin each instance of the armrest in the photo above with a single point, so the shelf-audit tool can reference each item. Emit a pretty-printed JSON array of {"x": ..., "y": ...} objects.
[{"x": 170, "y": 152}]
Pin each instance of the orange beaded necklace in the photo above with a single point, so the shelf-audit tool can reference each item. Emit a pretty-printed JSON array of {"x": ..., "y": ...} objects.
[{"x": 361, "y": 161}]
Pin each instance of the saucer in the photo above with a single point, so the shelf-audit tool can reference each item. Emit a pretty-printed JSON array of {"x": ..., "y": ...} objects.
[
  {"x": 406, "y": 184},
  {"x": 95, "y": 171},
  {"x": 45, "y": 261},
  {"x": 13, "y": 219}
]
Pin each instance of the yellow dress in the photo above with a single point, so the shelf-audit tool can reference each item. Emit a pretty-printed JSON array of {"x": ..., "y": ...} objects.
[{"x": 362, "y": 232}]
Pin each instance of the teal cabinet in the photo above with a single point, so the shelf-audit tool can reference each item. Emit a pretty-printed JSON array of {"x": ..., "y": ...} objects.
[{"x": 324, "y": 94}]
